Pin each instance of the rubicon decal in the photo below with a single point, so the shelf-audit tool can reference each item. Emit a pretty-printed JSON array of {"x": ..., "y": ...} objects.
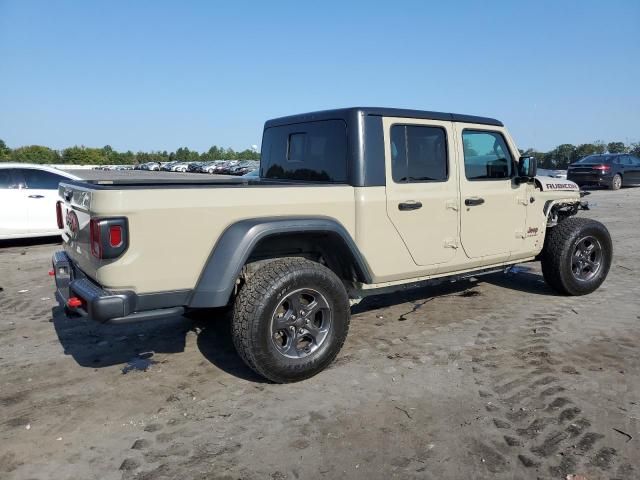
[
  {"x": 549, "y": 183},
  {"x": 561, "y": 186}
]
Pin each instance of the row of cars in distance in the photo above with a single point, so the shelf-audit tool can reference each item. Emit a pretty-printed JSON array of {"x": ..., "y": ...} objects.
[
  {"x": 221, "y": 167},
  {"x": 224, "y": 167}
]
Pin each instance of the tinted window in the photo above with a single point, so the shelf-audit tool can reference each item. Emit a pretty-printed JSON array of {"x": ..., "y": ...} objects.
[
  {"x": 5, "y": 178},
  {"x": 10, "y": 178},
  {"x": 313, "y": 151},
  {"x": 39, "y": 179},
  {"x": 418, "y": 154},
  {"x": 486, "y": 156}
]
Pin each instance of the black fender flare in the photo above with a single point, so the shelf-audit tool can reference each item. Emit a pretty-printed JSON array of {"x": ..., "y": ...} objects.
[{"x": 233, "y": 248}]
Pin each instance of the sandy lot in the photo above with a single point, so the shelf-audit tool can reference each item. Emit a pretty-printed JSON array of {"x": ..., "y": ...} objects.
[{"x": 496, "y": 378}]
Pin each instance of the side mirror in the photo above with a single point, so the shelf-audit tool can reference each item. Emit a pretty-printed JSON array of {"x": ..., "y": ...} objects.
[{"x": 527, "y": 167}]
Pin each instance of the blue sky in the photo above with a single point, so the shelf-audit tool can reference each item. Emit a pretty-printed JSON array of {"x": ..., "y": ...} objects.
[{"x": 155, "y": 75}]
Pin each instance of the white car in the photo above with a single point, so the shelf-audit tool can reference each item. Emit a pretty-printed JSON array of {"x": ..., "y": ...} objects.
[{"x": 28, "y": 196}]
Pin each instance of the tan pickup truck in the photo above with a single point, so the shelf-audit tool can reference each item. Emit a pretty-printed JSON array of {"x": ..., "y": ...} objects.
[{"x": 348, "y": 203}]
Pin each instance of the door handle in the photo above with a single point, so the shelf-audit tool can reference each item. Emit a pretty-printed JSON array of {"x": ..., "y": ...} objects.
[
  {"x": 36, "y": 196},
  {"x": 473, "y": 201},
  {"x": 410, "y": 205}
]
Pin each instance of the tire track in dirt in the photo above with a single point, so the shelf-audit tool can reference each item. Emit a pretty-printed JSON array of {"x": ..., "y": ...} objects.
[{"x": 534, "y": 413}]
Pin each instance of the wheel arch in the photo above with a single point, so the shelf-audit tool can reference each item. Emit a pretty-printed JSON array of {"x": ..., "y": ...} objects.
[{"x": 261, "y": 238}]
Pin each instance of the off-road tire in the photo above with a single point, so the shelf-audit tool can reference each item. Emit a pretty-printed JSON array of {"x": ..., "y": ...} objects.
[
  {"x": 616, "y": 182},
  {"x": 556, "y": 257},
  {"x": 253, "y": 311}
]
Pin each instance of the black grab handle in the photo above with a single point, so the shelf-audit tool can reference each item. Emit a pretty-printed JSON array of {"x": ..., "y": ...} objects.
[
  {"x": 470, "y": 202},
  {"x": 405, "y": 206}
]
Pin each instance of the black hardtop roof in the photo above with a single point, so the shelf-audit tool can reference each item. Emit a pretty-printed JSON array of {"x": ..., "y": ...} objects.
[{"x": 352, "y": 112}]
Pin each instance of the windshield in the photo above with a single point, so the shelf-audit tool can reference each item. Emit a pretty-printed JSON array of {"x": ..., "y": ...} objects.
[{"x": 595, "y": 159}]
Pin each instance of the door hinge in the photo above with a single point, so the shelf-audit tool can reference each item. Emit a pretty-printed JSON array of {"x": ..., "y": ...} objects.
[
  {"x": 453, "y": 205},
  {"x": 523, "y": 200},
  {"x": 520, "y": 234},
  {"x": 451, "y": 243}
]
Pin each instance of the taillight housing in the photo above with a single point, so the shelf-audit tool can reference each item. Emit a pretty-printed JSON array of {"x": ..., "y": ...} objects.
[
  {"x": 603, "y": 168},
  {"x": 108, "y": 237},
  {"x": 59, "y": 215}
]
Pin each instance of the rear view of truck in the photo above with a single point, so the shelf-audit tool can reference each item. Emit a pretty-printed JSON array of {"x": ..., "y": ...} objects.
[{"x": 89, "y": 242}]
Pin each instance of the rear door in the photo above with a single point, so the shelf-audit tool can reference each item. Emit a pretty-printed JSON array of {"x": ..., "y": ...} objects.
[
  {"x": 421, "y": 187},
  {"x": 493, "y": 205},
  {"x": 631, "y": 170},
  {"x": 41, "y": 197},
  {"x": 13, "y": 205},
  {"x": 635, "y": 162}
]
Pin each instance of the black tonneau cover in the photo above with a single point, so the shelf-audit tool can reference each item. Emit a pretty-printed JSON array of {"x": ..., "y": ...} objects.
[{"x": 228, "y": 182}]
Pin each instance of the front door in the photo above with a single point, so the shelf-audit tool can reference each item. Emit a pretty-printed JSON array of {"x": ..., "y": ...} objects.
[
  {"x": 13, "y": 213},
  {"x": 41, "y": 196},
  {"x": 421, "y": 186},
  {"x": 493, "y": 204}
]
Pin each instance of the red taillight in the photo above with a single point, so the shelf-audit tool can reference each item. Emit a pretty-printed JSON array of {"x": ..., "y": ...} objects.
[
  {"x": 109, "y": 237},
  {"x": 52, "y": 273},
  {"x": 602, "y": 168},
  {"x": 94, "y": 238},
  {"x": 59, "y": 214},
  {"x": 74, "y": 302},
  {"x": 115, "y": 236}
]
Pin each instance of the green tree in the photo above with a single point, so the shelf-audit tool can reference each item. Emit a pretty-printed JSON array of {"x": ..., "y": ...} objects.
[
  {"x": 34, "y": 154},
  {"x": 634, "y": 149},
  {"x": 183, "y": 154},
  {"x": 5, "y": 152},
  {"x": 563, "y": 155},
  {"x": 616, "y": 147},
  {"x": 585, "y": 149},
  {"x": 600, "y": 146},
  {"x": 84, "y": 156}
]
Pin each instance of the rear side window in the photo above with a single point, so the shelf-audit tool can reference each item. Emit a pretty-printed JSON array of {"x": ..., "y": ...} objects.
[
  {"x": 10, "y": 178},
  {"x": 40, "y": 179},
  {"x": 418, "y": 154},
  {"x": 5, "y": 178},
  {"x": 486, "y": 156},
  {"x": 313, "y": 151}
]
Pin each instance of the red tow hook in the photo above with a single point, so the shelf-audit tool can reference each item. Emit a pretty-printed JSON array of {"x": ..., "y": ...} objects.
[{"x": 74, "y": 302}]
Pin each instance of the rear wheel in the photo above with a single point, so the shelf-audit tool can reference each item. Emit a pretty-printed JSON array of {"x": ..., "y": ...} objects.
[
  {"x": 577, "y": 256},
  {"x": 616, "y": 182},
  {"x": 290, "y": 319}
]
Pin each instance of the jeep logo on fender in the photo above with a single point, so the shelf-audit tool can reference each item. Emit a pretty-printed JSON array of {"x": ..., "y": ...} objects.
[{"x": 72, "y": 224}]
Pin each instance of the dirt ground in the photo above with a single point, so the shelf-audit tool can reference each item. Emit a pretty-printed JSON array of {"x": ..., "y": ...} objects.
[{"x": 495, "y": 378}]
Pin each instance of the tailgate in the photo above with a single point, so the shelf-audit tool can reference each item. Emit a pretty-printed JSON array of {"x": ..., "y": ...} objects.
[{"x": 76, "y": 206}]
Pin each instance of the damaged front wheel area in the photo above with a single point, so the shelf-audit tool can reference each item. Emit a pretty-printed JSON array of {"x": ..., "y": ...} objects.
[{"x": 577, "y": 256}]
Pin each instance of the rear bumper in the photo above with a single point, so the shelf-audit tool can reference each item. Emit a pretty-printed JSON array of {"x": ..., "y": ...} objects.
[
  {"x": 589, "y": 179},
  {"x": 97, "y": 303}
]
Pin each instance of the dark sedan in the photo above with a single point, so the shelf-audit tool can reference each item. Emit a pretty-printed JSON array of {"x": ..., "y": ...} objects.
[{"x": 612, "y": 170}]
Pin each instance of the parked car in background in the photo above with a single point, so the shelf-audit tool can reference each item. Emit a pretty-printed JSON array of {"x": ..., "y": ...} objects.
[
  {"x": 28, "y": 196},
  {"x": 242, "y": 167},
  {"x": 613, "y": 171},
  {"x": 152, "y": 166},
  {"x": 553, "y": 173},
  {"x": 194, "y": 166}
]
